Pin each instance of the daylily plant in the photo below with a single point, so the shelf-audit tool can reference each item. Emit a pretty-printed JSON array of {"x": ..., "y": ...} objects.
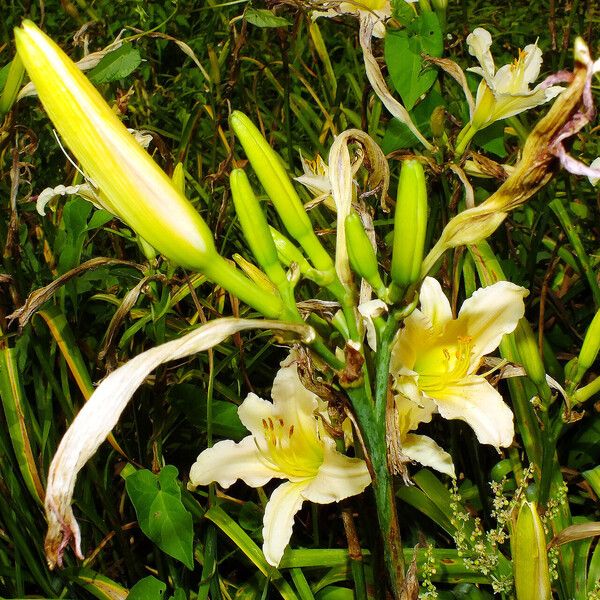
[
  {"x": 288, "y": 440},
  {"x": 436, "y": 358},
  {"x": 505, "y": 92}
]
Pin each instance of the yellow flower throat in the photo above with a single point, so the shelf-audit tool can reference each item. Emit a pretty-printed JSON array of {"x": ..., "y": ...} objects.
[
  {"x": 444, "y": 364},
  {"x": 290, "y": 449}
]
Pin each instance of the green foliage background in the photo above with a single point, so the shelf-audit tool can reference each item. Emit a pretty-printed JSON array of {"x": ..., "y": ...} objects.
[{"x": 277, "y": 76}]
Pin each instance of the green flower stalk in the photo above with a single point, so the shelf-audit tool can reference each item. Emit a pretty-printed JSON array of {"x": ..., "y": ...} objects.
[
  {"x": 129, "y": 183},
  {"x": 410, "y": 225}
]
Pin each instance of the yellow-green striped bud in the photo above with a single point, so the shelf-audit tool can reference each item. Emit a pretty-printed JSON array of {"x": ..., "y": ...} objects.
[
  {"x": 134, "y": 187},
  {"x": 269, "y": 169},
  {"x": 361, "y": 254},
  {"x": 530, "y": 558},
  {"x": 410, "y": 224},
  {"x": 255, "y": 227},
  {"x": 129, "y": 183}
]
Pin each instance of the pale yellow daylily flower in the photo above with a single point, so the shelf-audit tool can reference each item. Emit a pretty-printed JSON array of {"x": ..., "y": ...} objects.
[
  {"x": 436, "y": 358},
  {"x": 287, "y": 441},
  {"x": 505, "y": 92}
]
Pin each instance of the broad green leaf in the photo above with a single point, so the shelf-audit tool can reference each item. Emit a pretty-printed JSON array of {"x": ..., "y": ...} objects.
[
  {"x": 116, "y": 65},
  {"x": 491, "y": 139},
  {"x": 148, "y": 588},
  {"x": 261, "y": 17},
  {"x": 411, "y": 76},
  {"x": 161, "y": 514},
  {"x": 398, "y": 135},
  {"x": 403, "y": 11}
]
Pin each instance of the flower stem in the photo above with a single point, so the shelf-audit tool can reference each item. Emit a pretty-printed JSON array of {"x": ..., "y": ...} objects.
[{"x": 464, "y": 137}]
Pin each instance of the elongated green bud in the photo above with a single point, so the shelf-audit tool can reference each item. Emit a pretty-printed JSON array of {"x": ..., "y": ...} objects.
[
  {"x": 361, "y": 254},
  {"x": 270, "y": 171},
  {"x": 410, "y": 224},
  {"x": 589, "y": 349},
  {"x": 178, "y": 178},
  {"x": 288, "y": 253},
  {"x": 530, "y": 558},
  {"x": 255, "y": 227},
  {"x": 529, "y": 356},
  {"x": 16, "y": 71}
]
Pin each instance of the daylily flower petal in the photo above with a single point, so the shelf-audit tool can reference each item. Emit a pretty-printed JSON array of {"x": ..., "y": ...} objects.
[
  {"x": 338, "y": 477},
  {"x": 595, "y": 165},
  {"x": 226, "y": 462},
  {"x": 288, "y": 441},
  {"x": 439, "y": 363},
  {"x": 369, "y": 310},
  {"x": 434, "y": 304},
  {"x": 404, "y": 353},
  {"x": 489, "y": 314},
  {"x": 480, "y": 42},
  {"x": 505, "y": 92},
  {"x": 476, "y": 402},
  {"x": 278, "y": 522},
  {"x": 424, "y": 450}
]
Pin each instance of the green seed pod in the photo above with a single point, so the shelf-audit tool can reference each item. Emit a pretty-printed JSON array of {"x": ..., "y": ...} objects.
[
  {"x": 530, "y": 558},
  {"x": 270, "y": 171},
  {"x": 255, "y": 227},
  {"x": 361, "y": 254},
  {"x": 410, "y": 225}
]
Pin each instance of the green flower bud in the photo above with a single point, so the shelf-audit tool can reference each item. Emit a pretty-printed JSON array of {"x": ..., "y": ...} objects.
[
  {"x": 531, "y": 360},
  {"x": 530, "y": 558},
  {"x": 589, "y": 349},
  {"x": 361, "y": 254},
  {"x": 130, "y": 184},
  {"x": 269, "y": 169},
  {"x": 410, "y": 225},
  {"x": 255, "y": 227}
]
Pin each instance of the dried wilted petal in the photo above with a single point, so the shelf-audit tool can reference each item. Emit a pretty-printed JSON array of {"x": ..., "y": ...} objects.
[{"x": 101, "y": 413}]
